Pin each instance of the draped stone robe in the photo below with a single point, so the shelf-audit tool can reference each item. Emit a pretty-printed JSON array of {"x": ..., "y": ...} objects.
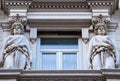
[
  {"x": 101, "y": 52},
  {"x": 15, "y": 52}
]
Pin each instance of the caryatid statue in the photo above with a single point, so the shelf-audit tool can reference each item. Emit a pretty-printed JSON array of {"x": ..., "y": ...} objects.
[
  {"x": 15, "y": 51},
  {"x": 101, "y": 49}
]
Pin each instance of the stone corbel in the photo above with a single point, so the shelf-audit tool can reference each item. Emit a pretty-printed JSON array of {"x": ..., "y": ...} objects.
[
  {"x": 85, "y": 40},
  {"x": 32, "y": 40},
  {"x": 33, "y": 35},
  {"x": 85, "y": 35}
]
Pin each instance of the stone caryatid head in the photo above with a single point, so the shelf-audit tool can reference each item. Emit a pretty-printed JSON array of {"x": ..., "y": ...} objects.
[
  {"x": 17, "y": 23},
  {"x": 100, "y": 25}
]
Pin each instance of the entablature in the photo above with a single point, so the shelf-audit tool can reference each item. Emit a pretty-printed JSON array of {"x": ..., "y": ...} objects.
[{"x": 39, "y": 5}]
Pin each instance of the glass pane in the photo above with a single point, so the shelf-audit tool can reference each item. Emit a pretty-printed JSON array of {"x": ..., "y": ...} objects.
[
  {"x": 59, "y": 43},
  {"x": 69, "y": 61},
  {"x": 48, "y": 61}
]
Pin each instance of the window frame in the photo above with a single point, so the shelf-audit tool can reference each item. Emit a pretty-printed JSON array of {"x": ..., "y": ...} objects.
[{"x": 59, "y": 52}]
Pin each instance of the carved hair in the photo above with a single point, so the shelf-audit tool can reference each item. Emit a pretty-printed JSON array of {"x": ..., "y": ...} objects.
[
  {"x": 17, "y": 22},
  {"x": 98, "y": 26},
  {"x": 18, "y": 25},
  {"x": 100, "y": 22}
]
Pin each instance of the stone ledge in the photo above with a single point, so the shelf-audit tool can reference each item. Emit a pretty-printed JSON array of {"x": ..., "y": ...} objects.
[
  {"x": 10, "y": 73},
  {"x": 23, "y": 75},
  {"x": 111, "y": 73},
  {"x": 66, "y": 73}
]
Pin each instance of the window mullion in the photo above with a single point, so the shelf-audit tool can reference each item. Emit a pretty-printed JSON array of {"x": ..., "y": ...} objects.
[{"x": 59, "y": 60}]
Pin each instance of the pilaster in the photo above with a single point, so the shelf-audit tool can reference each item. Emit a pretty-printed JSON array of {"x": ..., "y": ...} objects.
[
  {"x": 85, "y": 55},
  {"x": 85, "y": 39},
  {"x": 33, "y": 38}
]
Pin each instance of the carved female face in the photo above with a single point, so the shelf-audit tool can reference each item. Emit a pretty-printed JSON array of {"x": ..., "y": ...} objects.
[
  {"x": 101, "y": 30},
  {"x": 17, "y": 30}
]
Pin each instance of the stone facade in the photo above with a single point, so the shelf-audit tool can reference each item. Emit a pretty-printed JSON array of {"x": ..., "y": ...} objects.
[{"x": 60, "y": 19}]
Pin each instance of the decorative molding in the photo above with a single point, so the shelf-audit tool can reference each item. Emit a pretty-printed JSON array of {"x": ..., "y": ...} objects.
[
  {"x": 60, "y": 26},
  {"x": 21, "y": 4},
  {"x": 18, "y": 3},
  {"x": 100, "y": 21},
  {"x": 59, "y": 0},
  {"x": 5, "y": 26},
  {"x": 112, "y": 26},
  {"x": 10, "y": 73},
  {"x": 100, "y": 3},
  {"x": 52, "y": 4},
  {"x": 58, "y": 5},
  {"x": 60, "y": 75}
]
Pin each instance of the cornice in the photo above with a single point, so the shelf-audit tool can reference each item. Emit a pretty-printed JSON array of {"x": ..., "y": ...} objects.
[
  {"x": 16, "y": 4},
  {"x": 59, "y": 4},
  {"x": 112, "y": 5}
]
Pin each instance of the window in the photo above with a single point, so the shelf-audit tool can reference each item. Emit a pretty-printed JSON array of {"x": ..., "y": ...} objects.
[
  {"x": 59, "y": 43},
  {"x": 48, "y": 61},
  {"x": 59, "y": 54},
  {"x": 69, "y": 61}
]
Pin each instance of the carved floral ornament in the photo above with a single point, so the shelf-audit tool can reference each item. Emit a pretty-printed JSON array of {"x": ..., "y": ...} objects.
[
  {"x": 100, "y": 21},
  {"x": 17, "y": 21}
]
